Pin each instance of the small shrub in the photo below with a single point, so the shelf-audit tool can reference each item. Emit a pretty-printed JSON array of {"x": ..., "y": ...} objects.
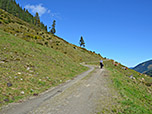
[
  {"x": 9, "y": 20},
  {"x": 6, "y": 21},
  {"x": 40, "y": 43},
  {"x": 3, "y": 15},
  {"x": 17, "y": 31},
  {"x": 46, "y": 43},
  {"x": 41, "y": 33},
  {"x": 0, "y": 22},
  {"x": 42, "y": 83},
  {"x": 148, "y": 84},
  {"x": 19, "y": 22},
  {"x": 28, "y": 35},
  {"x": 57, "y": 41},
  {"x": 49, "y": 38},
  {"x": 75, "y": 47},
  {"x": 35, "y": 37}
]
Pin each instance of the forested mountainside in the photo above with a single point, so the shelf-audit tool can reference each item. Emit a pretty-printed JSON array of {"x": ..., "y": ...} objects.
[{"x": 15, "y": 9}]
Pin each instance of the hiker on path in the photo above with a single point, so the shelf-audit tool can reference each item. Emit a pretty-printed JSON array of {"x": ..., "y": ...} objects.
[{"x": 101, "y": 64}]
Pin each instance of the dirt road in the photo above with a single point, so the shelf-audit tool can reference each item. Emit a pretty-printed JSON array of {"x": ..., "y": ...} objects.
[{"x": 88, "y": 93}]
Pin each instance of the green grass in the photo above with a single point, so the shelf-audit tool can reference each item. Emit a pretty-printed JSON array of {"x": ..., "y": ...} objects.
[
  {"x": 31, "y": 33},
  {"x": 31, "y": 68},
  {"x": 136, "y": 96},
  {"x": 35, "y": 60}
]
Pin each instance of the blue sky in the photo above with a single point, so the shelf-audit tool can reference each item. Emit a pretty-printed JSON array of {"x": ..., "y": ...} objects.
[{"x": 117, "y": 29}]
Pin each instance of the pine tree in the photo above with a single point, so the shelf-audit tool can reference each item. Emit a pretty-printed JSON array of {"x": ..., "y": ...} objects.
[
  {"x": 45, "y": 27},
  {"x": 53, "y": 31},
  {"x": 37, "y": 19},
  {"x": 82, "y": 43}
]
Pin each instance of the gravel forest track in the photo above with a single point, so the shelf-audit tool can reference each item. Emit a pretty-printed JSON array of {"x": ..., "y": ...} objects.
[{"x": 88, "y": 93}]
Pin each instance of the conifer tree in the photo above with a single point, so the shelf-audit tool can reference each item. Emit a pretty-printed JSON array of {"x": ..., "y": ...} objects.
[
  {"x": 82, "y": 43},
  {"x": 37, "y": 19},
  {"x": 53, "y": 31},
  {"x": 45, "y": 27}
]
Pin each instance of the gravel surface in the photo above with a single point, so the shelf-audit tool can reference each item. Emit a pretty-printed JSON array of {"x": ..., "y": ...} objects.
[{"x": 88, "y": 93}]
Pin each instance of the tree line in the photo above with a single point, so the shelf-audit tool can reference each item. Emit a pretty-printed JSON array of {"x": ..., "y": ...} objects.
[{"x": 13, "y": 8}]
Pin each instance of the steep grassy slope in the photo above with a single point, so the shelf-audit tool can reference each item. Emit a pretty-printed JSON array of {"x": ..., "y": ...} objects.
[
  {"x": 135, "y": 90},
  {"x": 31, "y": 68},
  {"x": 31, "y": 33},
  {"x": 32, "y": 60}
]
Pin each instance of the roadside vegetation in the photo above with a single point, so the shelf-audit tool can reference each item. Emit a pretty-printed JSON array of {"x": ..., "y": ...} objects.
[{"x": 135, "y": 89}]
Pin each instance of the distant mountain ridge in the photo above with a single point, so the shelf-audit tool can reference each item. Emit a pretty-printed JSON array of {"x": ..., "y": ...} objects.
[
  {"x": 145, "y": 67},
  {"x": 149, "y": 73}
]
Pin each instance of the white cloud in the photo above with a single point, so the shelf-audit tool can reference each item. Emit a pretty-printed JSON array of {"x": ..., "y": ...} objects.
[
  {"x": 55, "y": 15},
  {"x": 49, "y": 11},
  {"x": 37, "y": 8},
  {"x": 42, "y": 10}
]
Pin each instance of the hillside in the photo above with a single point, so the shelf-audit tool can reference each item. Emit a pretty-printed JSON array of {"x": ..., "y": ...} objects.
[
  {"x": 144, "y": 67},
  {"x": 31, "y": 33},
  {"x": 15, "y": 9},
  {"x": 149, "y": 73},
  {"x": 135, "y": 90},
  {"x": 27, "y": 68},
  {"x": 33, "y": 60}
]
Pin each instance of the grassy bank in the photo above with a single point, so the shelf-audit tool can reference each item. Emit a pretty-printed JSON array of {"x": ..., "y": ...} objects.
[
  {"x": 135, "y": 89},
  {"x": 27, "y": 68}
]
